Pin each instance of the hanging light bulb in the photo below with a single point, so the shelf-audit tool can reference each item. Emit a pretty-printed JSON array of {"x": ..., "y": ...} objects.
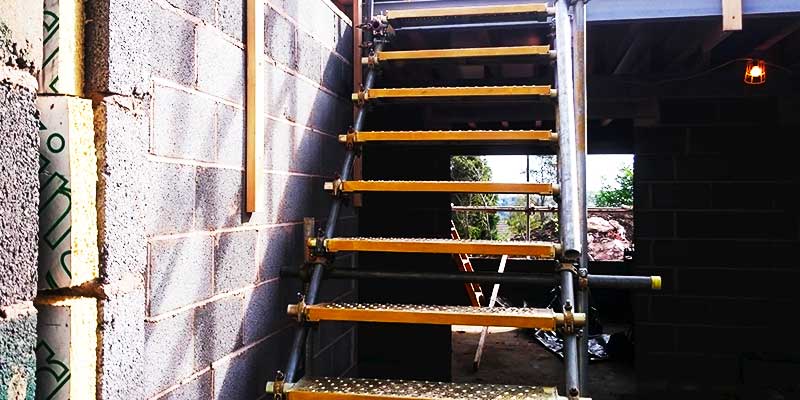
[{"x": 755, "y": 73}]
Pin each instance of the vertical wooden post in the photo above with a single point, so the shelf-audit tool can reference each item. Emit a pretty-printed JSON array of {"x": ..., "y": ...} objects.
[
  {"x": 255, "y": 106},
  {"x": 731, "y": 15}
]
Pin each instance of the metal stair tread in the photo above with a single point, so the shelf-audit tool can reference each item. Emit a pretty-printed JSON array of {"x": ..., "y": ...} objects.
[
  {"x": 544, "y": 250},
  {"x": 456, "y": 91},
  {"x": 442, "y": 186},
  {"x": 434, "y": 15},
  {"x": 467, "y": 52},
  {"x": 517, "y": 317},
  {"x": 325, "y": 388},
  {"x": 450, "y": 136}
]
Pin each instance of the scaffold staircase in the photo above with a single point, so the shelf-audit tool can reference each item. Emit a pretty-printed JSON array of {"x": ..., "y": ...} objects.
[{"x": 568, "y": 255}]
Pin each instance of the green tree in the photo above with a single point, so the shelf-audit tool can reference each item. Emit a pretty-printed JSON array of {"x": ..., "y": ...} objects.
[
  {"x": 473, "y": 225},
  {"x": 543, "y": 169},
  {"x": 619, "y": 195}
]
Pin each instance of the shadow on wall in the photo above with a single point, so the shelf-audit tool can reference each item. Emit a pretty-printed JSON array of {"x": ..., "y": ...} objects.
[{"x": 245, "y": 337}]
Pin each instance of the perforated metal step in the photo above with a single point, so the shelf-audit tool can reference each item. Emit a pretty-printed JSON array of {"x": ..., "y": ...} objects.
[
  {"x": 538, "y": 318},
  {"x": 472, "y": 52},
  {"x": 442, "y": 186},
  {"x": 542, "y": 250},
  {"x": 451, "y": 15},
  {"x": 450, "y": 136},
  {"x": 364, "y": 389},
  {"x": 456, "y": 92}
]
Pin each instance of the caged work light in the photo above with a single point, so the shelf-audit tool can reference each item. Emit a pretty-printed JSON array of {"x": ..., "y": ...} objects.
[{"x": 755, "y": 73}]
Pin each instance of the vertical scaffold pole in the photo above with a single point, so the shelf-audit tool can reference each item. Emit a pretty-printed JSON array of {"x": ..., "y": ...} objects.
[
  {"x": 571, "y": 208},
  {"x": 579, "y": 65}
]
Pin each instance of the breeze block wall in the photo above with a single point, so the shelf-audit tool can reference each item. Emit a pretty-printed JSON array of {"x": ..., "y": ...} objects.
[
  {"x": 20, "y": 58},
  {"x": 716, "y": 211},
  {"x": 194, "y": 307}
]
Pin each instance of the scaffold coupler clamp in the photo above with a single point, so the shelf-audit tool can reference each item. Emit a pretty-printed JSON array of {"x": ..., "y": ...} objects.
[
  {"x": 569, "y": 267},
  {"x": 372, "y": 60},
  {"x": 335, "y": 187},
  {"x": 569, "y": 319},
  {"x": 317, "y": 252},
  {"x": 350, "y": 141},
  {"x": 361, "y": 97},
  {"x": 378, "y": 25},
  {"x": 583, "y": 278},
  {"x": 277, "y": 387},
  {"x": 298, "y": 310}
]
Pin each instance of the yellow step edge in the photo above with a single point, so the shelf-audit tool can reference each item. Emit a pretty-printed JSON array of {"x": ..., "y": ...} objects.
[
  {"x": 514, "y": 317},
  {"x": 542, "y": 250},
  {"x": 444, "y": 136},
  {"x": 443, "y": 186},
  {"x": 460, "y": 53},
  {"x": 324, "y": 388},
  {"x": 465, "y": 91},
  {"x": 531, "y": 8}
]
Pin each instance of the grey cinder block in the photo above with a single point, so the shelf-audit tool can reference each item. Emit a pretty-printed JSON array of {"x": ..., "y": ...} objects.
[
  {"x": 180, "y": 272},
  {"x": 166, "y": 352},
  {"x": 235, "y": 263},
  {"x": 220, "y": 66},
  {"x": 219, "y": 198},
  {"x": 183, "y": 125},
  {"x": 218, "y": 329}
]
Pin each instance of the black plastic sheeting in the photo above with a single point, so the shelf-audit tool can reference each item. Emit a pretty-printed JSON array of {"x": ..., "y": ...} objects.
[
  {"x": 602, "y": 346},
  {"x": 555, "y": 343}
]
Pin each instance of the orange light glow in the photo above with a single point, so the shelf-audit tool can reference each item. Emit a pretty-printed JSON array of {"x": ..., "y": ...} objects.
[{"x": 755, "y": 72}]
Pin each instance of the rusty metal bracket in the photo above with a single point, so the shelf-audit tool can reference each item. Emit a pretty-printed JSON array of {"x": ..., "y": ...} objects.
[
  {"x": 567, "y": 267},
  {"x": 373, "y": 60},
  {"x": 360, "y": 97},
  {"x": 298, "y": 310},
  {"x": 569, "y": 319},
  {"x": 335, "y": 187},
  {"x": 277, "y": 387},
  {"x": 317, "y": 252},
  {"x": 583, "y": 278},
  {"x": 350, "y": 139}
]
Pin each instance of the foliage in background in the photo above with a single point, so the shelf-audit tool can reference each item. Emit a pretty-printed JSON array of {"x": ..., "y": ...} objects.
[
  {"x": 473, "y": 225},
  {"x": 544, "y": 169},
  {"x": 621, "y": 195}
]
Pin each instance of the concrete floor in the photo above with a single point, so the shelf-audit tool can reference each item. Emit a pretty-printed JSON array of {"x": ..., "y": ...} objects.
[{"x": 512, "y": 357}]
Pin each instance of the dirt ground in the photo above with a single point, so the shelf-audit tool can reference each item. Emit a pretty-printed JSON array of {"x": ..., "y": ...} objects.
[{"x": 514, "y": 358}]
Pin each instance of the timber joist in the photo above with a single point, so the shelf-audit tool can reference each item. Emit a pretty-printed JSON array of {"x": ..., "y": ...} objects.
[
  {"x": 515, "y": 317},
  {"x": 455, "y": 92},
  {"x": 474, "y": 52},
  {"x": 449, "y": 15},
  {"x": 322, "y": 388},
  {"x": 450, "y": 136},
  {"x": 339, "y": 186},
  {"x": 540, "y": 250}
]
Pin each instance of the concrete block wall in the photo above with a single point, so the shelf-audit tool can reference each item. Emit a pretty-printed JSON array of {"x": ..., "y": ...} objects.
[
  {"x": 20, "y": 57},
  {"x": 716, "y": 215},
  {"x": 194, "y": 307}
]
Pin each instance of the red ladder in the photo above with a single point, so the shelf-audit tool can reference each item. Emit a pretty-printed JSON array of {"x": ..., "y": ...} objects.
[{"x": 474, "y": 291}]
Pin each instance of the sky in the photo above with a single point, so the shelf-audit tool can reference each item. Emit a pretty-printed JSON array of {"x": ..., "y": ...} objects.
[{"x": 599, "y": 168}]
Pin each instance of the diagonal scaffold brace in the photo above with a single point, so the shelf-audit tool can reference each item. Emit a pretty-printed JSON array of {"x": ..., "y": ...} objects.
[{"x": 379, "y": 36}]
